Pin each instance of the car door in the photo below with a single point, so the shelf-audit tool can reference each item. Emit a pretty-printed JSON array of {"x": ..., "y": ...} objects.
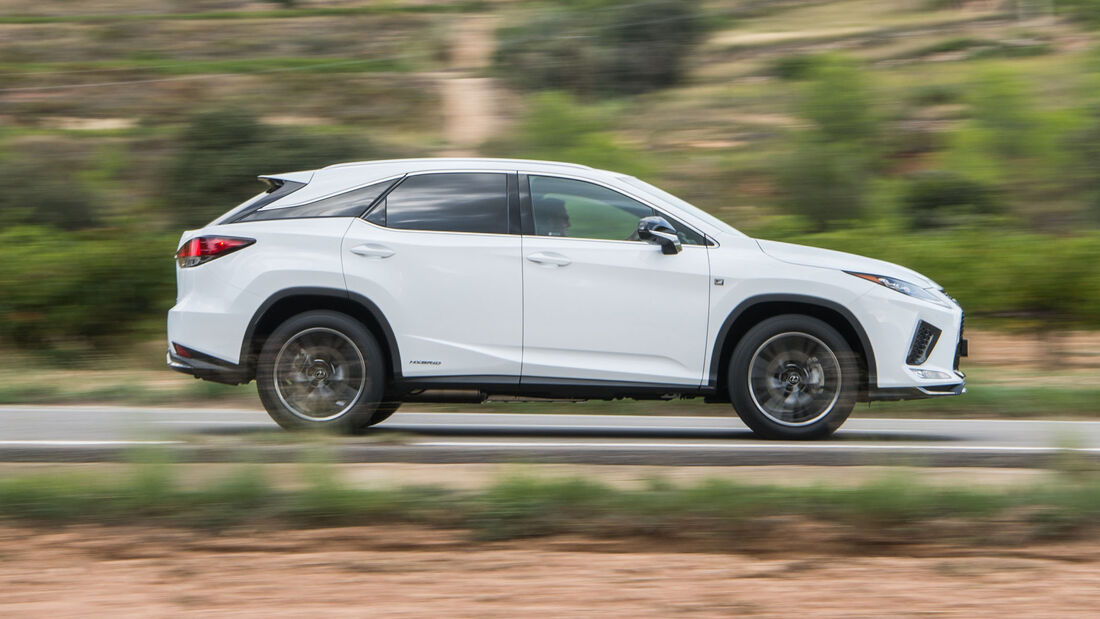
[
  {"x": 600, "y": 305},
  {"x": 437, "y": 256}
]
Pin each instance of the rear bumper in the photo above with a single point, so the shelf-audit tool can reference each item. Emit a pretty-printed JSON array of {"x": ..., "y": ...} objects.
[{"x": 207, "y": 368}]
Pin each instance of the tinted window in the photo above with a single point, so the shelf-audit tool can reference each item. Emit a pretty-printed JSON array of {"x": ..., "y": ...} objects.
[
  {"x": 578, "y": 209},
  {"x": 276, "y": 190},
  {"x": 460, "y": 202},
  {"x": 348, "y": 204}
]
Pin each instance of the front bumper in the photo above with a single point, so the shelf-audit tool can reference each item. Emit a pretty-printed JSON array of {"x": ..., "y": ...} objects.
[
  {"x": 206, "y": 367},
  {"x": 918, "y": 392},
  {"x": 889, "y": 394}
]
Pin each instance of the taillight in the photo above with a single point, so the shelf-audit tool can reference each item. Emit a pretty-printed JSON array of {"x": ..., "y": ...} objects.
[{"x": 205, "y": 248}]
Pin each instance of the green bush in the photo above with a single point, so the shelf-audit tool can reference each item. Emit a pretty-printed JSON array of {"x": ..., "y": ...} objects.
[
  {"x": 1084, "y": 11},
  {"x": 1001, "y": 106},
  {"x": 600, "y": 47},
  {"x": 826, "y": 176},
  {"x": 1080, "y": 174},
  {"x": 1048, "y": 280},
  {"x": 935, "y": 94},
  {"x": 824, "y": 182},
  {"x": 38, "y": 191},
  {"x": 841, "y": 104},
  {"x": 557, "y": 128},
  {"x": 794, "y": 66},
  {"x": 938, "y": 198},
  {"x": 222, "y": 151},
  {"x": 62, "y": 289}
]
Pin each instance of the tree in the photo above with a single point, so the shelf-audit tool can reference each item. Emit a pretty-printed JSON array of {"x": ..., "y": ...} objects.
[
  {"x": 601, "y": 47},
  {"x": 840, "y": 103},
  {"x": 222, "y": 151}
]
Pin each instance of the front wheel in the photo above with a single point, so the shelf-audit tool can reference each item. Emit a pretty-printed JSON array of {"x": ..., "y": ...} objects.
[
  {"x": 793, "y": 377},
  {"x": 322, "y": 370}
]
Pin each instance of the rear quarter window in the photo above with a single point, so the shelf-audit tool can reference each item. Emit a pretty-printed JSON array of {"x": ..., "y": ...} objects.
[{"x": 348, "y": 204}]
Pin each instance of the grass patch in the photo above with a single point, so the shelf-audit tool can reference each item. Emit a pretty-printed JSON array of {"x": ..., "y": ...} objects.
[
  {"x": 62, "y": 388},
  {"x": 971, "y": 48},
  {"x": 521, "y": 507},
  {"x": 1008, "y": 401},
  {"x": 161, "y": 66},
  {"x": 981, "y": 400},
  {"x": 381, "y": 8}
]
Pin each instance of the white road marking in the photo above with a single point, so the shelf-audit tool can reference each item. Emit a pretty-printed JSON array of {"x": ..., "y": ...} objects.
[
  {"x": 759, "y": 446},
  {"x": 855, "y": 421},
  {"x": 207, "y": 422},
  {"x": 88, "y": 410},
  {"x": 83, "y": 443}
]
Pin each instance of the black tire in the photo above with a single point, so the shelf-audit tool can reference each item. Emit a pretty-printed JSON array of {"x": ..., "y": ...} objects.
[
  {"x": 321, "y": 370},
  {"x": 384, "y": 411},
  {"x": 793, "y": 377}
]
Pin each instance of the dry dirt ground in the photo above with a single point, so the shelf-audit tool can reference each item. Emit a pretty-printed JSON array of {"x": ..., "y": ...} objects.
[
  {"x": 470, "y": 109},
  {"x": 413, "y": 572}
]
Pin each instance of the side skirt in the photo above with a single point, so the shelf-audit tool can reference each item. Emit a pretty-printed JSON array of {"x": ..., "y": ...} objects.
[{"x": 463, "y": 388}]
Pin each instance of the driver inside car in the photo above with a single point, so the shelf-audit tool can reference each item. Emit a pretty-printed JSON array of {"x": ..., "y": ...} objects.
[{"x": 551, "y": 218}]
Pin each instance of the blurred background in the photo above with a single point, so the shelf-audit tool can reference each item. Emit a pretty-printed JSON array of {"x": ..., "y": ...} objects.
[{"x": 959, "y": 138}]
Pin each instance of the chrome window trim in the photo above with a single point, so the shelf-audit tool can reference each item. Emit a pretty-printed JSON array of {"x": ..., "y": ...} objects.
[{"x": 630, "y": 194}]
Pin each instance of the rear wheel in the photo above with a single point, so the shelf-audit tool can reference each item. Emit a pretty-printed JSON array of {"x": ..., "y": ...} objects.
[
  {"x": 793, "y": 377},
  {"x": 321, "y": 370},
  {"x": 385, "y": 410}
]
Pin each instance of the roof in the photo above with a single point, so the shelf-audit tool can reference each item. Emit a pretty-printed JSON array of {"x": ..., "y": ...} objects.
[
  {"x": 343, "y": 176},
  {"x": 451, "y": 162}
]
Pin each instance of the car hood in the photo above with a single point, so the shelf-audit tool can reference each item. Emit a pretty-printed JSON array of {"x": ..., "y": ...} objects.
[{"x": 829, "y": 259}]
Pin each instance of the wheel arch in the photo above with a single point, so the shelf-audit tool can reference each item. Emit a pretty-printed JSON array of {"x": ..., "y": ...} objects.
[
  {"x": 293, "y": 301},
  {"x": 756, "y": 309}
]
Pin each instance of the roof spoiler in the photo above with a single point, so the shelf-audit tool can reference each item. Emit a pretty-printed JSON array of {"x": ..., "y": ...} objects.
[{"x": 274, "y": 181}]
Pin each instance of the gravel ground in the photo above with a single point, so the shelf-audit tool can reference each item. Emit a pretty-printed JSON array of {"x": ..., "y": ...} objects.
[{"x": 411, "y": 572}]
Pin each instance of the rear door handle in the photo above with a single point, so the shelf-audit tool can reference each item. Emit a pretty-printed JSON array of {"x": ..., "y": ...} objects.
[
  {"x": 371, "y": 250},
  {"x": 549, "y": 258}
]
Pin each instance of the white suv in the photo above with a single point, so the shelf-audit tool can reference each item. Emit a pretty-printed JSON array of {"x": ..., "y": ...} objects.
[{"x": 348, "y": 290}]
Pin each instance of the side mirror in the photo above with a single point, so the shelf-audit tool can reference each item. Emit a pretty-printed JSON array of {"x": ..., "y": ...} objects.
[{"x": 657, "y": 230}]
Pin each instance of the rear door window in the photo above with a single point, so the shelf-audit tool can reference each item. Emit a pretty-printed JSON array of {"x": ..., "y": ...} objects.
[{"x": 447, "y": 202}]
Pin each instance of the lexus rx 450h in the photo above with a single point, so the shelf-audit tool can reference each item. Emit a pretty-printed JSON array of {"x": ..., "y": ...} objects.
[{"x": 348, "y": 290}]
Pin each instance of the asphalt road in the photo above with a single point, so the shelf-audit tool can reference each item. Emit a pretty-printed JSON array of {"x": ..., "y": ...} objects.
[{"x": 108, "y": 433}]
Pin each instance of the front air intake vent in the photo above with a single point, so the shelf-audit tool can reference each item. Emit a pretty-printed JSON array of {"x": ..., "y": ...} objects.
[{"x": 924, "y": 340}]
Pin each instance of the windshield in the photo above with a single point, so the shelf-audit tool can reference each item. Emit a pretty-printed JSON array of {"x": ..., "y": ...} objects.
[{"x": 684, "y": 204}]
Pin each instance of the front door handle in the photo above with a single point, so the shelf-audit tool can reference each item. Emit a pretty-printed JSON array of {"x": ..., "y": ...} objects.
[
  {"x": 370, "y": 250},
  {"x": 549, "y": 258}
]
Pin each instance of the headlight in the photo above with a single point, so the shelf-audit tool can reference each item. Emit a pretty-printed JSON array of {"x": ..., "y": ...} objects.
[{"x": 902, "y": 286}]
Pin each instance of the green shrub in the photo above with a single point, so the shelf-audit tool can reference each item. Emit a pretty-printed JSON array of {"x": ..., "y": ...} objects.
[
  {"x": 222, "y": 151},
  {"x": 825, "y": 183},
  {"x": 1080, "y": 174},
  {"x": 600, "y": 47},
  {"x": 794, "y": 66},
  {"x": 938, "y": 198},
  {"x": 954, "y": 44},
  {"x": 1084, "y": 11},
  {"x": 1051, "y": 281},
  {"x": 38, "y": 191},
  {"x": 827, "y": 174},
  {"x": 1001, "y": 106},
  {"x": 62, "y": 289},
  {"x": 841, "y": 104},
  {"x": 935, "y": 94},
  {"x": 557, "y": 128}
]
